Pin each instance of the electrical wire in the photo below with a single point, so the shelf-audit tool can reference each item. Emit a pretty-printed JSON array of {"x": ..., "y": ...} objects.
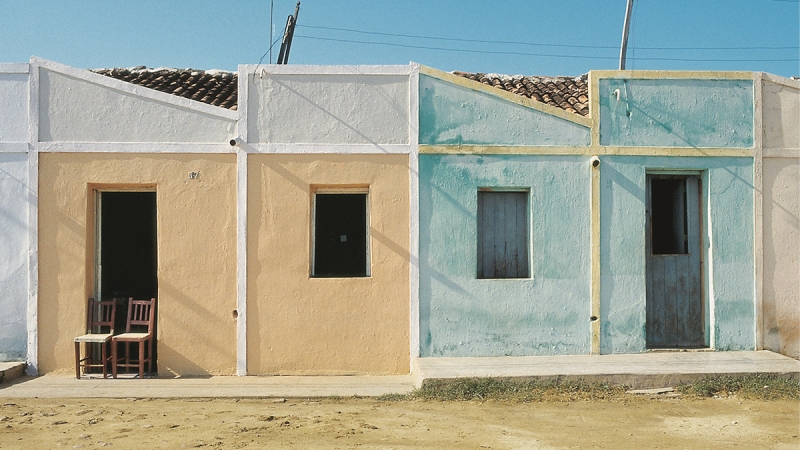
[
  {"x": 484, "y": 52},
  {"x": 482, "y": 41}
]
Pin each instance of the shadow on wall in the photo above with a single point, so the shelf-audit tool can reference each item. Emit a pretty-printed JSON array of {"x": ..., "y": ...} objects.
[
  {"x": 194, "y": 321},
  {"x": 179, "y": 365}
]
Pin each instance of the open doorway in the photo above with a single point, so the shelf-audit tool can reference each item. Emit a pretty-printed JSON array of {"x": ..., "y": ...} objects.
[{"x": 126, "y": 257}]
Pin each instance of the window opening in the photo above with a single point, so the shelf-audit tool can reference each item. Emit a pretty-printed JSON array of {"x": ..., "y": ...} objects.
[
  {"x": 668, "y": 219},
  {"x": 503, "y": 236},
  {"x": 340, "y": 235}
]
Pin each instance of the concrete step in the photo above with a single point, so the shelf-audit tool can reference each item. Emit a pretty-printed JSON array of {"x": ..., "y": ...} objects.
[
  {"x": 11, "y": 370},
  {"x": 637, "y": 371}
]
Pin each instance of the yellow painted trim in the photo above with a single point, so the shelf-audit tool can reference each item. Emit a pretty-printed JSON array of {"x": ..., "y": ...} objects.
[
  {"x": 584, "y": 151},
  {"x": 501, "y": 150},
  {"x": 595, "y": 243},
  {"x": 594, "y": 107},
  {"x": 505, "y": 95},
  {"x": 673, "y": 151},
  {"x": 671, "y": 74}
]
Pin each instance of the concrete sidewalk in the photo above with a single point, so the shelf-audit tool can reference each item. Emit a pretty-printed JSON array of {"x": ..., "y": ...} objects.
[
  {"x": 61, "y": 386},
  {"x": 640, "y": 370},
  {"x": 652, "y": 369}
]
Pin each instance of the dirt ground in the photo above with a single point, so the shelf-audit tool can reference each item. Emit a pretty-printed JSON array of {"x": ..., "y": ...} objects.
[{"x": 370, "y": 423}]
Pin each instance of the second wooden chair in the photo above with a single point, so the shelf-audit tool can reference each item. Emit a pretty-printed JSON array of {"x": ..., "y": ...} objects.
[{"x": 141, "y": 316}]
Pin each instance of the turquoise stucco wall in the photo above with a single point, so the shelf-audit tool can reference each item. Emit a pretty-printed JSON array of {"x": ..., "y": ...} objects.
[
  {"x": 547, "y": 314},
  {"x": 451, "y": 115},
  {"x": 728, "y": 199},
  {"x": 676, "y": 113}
]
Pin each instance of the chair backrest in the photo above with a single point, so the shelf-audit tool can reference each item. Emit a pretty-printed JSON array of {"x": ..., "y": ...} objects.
[
  {"x": 141, "y": 313},
  {"x": 99, "y": 315}
]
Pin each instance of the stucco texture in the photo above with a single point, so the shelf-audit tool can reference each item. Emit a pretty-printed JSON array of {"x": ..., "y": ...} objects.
[
  {"x": 546, "y": 314},
  {"x": 13, "y": 107},
  {"x": 74, "y": 110},
  {"x": 781, "y": 115},
  {"x": 454, "y": 115},
  {"x": 196, "y": 226},
  {"x": 342, "y": 109},
  {"x": 729, "y": 273},
  {"x": 302, "y": 325},
  {"x": 782, "y": 255},
  {"x": 676, "y": 113},
  {"x": 15, "y": 198}
]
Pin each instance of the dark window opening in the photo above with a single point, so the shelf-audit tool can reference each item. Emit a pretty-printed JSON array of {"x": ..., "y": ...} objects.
[
  {"x": 668, "y": 216},
  {"x": 340, "y": 235},
  {"x": 503, "y": 235}
]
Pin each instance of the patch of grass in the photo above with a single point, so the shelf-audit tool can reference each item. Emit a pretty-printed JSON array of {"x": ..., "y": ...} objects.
[
  {"x": 465, "y": 389},
  {"x": 756, "y": 387}
]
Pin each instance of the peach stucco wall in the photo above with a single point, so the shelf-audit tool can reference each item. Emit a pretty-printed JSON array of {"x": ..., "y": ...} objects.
[
  {"x": 302, "y": 325},
  {"x": 196, "y": 254}
]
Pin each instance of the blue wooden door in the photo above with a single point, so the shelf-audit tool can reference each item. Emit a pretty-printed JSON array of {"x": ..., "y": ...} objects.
[{"x": 674, "y": 262}]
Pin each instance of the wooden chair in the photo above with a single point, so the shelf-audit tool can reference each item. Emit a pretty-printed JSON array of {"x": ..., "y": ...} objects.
[
  {"x": 99, "y": 319},
  {"x": 141, "y": 314}
]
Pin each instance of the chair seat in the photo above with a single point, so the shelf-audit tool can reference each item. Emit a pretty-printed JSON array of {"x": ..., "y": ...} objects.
[
  {"x": 132, "y": 336},
  {"x": 92, "y": 338}
]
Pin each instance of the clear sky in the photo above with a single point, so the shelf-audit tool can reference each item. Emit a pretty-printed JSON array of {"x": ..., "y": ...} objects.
[{"x": 531, "y": 37}]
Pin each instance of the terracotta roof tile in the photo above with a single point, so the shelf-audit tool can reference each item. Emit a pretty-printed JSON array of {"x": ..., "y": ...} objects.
[
  {"x": 215, "y": 87},
  {"x": 568, "y": 93}
]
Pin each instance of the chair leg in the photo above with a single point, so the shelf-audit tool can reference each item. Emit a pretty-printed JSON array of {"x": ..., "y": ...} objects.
[
  {"x": 103, "y": 354},
  {"x": 141, "y": 359},
  {"x": 113, "y": 359},
  {"x": 150, "y": 359},
  {"x": 127, "y": 357},
  {"x": 78, "y": 360}
]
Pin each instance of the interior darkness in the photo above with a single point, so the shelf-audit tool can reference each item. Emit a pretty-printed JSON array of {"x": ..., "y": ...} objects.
[
  {"x": 668, "y": 218},
  {"x": 128, "y": 251},
  {"x": 340, "y": 233}
]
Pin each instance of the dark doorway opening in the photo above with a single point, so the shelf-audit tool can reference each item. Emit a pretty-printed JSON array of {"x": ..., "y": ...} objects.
[
  {"x": 340, "y": 235},
  {"x": 127, "y": 260}
]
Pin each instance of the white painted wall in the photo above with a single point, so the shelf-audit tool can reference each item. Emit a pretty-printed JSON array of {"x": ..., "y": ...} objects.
[
  {"x": 13, "y": 105},
  {"x": 14, "y": 198},
  {"x": 328, "y": 108},
  {"x": 781, "y": 220},
  {"x": 76, "y": 110}
]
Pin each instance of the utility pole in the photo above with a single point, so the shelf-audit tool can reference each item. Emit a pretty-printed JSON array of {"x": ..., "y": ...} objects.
[
  {"x": 271, "y": 29},
  {"x": 624, "y": 49},
  {"x": 286, "y": 45}
]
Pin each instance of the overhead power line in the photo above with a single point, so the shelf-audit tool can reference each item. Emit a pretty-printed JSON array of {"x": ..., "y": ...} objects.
[
  {"x": 495, "y": 52},
  {"x": 532, "y": 44}
]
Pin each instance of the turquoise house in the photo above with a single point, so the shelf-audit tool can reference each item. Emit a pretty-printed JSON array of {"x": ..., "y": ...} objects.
[{"x": 607, "y": 214}]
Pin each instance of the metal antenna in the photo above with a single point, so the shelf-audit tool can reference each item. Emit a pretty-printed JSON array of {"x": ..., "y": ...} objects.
[
  {"x": 286, "y": 45},
  {"x": 624, "y": 49}
]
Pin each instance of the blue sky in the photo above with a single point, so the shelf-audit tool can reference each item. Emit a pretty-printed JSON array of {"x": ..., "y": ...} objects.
[{"x": 531, "y": 37}]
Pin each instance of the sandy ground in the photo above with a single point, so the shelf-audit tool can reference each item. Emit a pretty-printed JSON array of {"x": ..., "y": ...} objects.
[{"x": 370, "y": 423}]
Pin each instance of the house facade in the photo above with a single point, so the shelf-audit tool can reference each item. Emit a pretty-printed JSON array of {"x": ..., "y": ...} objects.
[{"x": 350, "y": 220}]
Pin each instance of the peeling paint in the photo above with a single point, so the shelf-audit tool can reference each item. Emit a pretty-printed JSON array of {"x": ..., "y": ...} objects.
[
  {"x": 454, "y": 115},
  {"x": 676, "y": 113},
  {"x": 547, "y": 314},
  {"x": 728, "y": 199}
]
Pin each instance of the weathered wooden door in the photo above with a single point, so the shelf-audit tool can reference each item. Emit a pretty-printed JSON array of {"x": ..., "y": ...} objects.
[{"x": 675, "y": 316}]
